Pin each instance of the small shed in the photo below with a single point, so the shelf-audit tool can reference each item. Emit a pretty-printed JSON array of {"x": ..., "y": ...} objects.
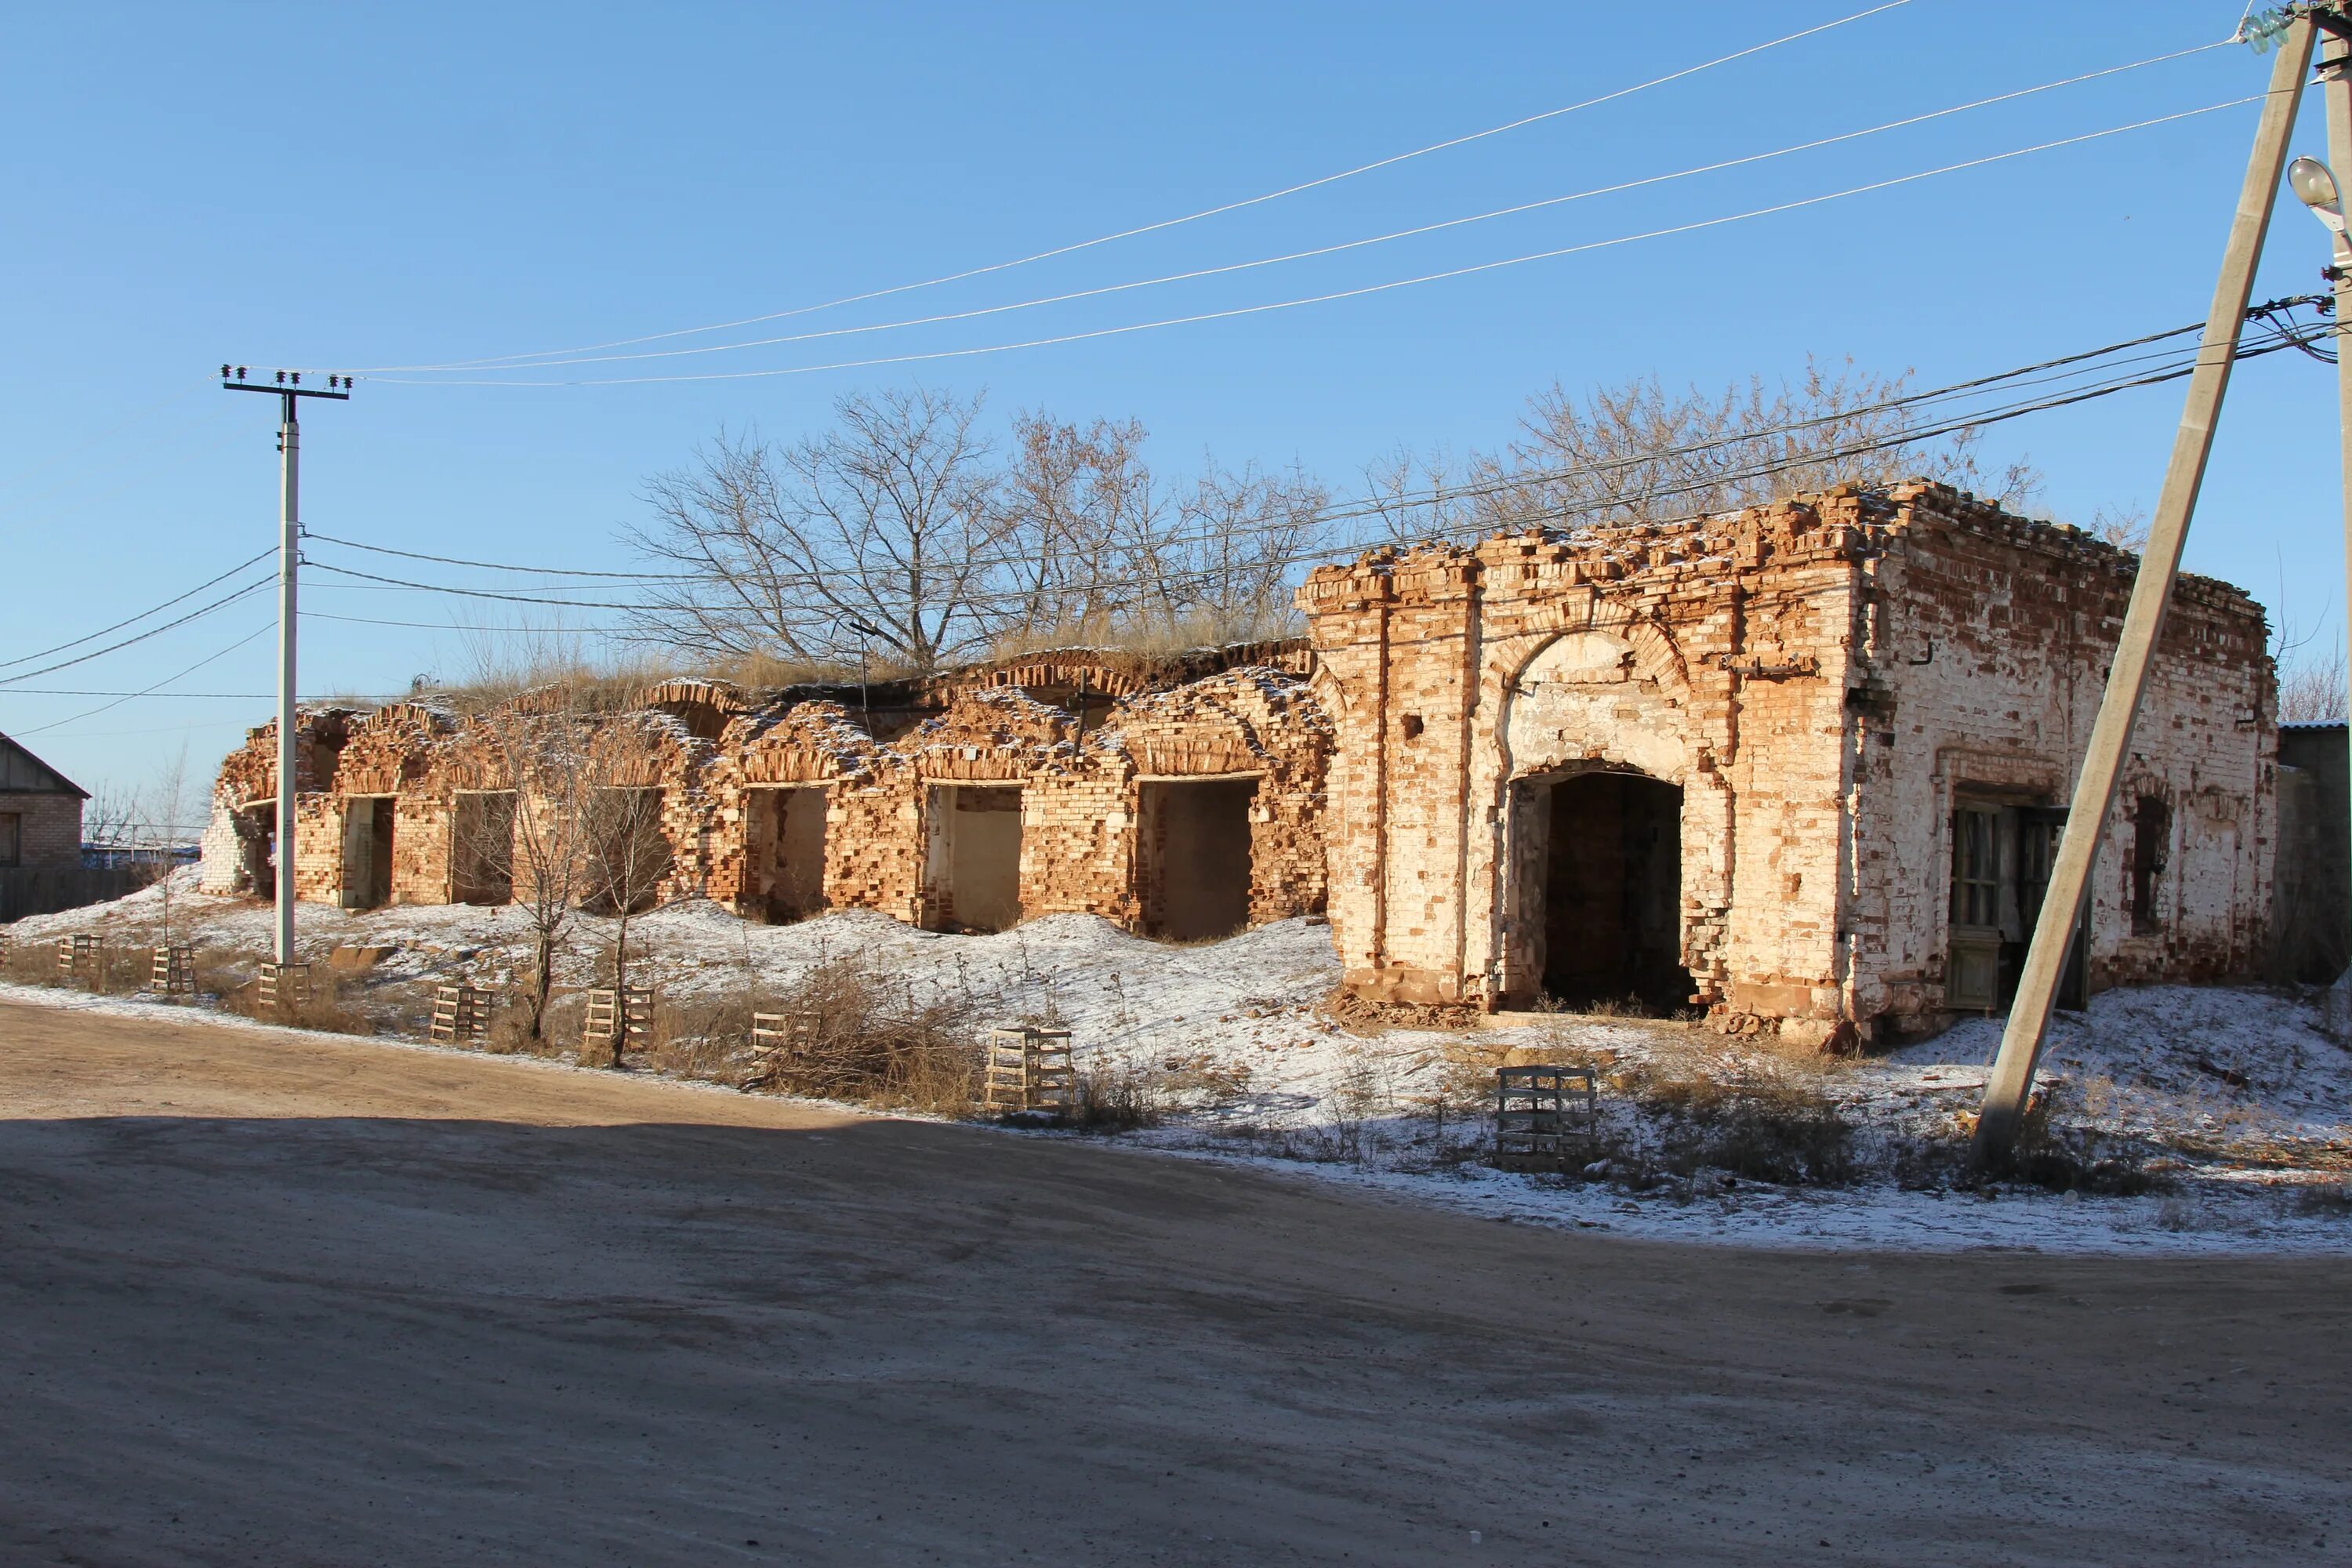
[
  {"x": 41, "y": 867},
  {"x": 40, "y": 813}
]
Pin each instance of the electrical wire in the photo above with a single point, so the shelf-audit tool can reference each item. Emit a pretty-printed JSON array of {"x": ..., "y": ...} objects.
[
  {"x": 133, "y": 620},
  {"x": 447, "y": 626},
  {"x": 9, "y": 681},
  {"x": 1363, "y": 290},
  {"x": 1317, "y": 251},
  {"x": 2101, "y": 361},
  {"x": 1190, "y": 218},
  {"x": 2283, "y": 337},
  {"x": 152, "y": 690}
]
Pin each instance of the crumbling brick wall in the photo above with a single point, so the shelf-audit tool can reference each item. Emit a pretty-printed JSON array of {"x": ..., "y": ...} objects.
[
  {"x": 239, "y": 831},
  {"x": 1742, "y": 659},
  {"x": 709, "y": 752},
  {"x": 1258, "y": 723},
  {"x": 1987, "y": 644},
  {"x": 782, "y": 744}
]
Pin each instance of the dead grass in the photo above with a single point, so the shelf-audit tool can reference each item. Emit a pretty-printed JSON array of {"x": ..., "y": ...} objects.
[
  {"x": 1118, "y": 1094},
  {"x": 871, "y": 1041},
  {"x": 325, "y": 1009}
]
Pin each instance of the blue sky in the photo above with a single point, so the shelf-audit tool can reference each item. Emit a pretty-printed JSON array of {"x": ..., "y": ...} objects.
[{"x": 363, "y": 186}]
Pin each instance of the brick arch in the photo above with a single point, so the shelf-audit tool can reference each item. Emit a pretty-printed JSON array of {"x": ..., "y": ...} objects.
[{"x": 1667, "y": 743}]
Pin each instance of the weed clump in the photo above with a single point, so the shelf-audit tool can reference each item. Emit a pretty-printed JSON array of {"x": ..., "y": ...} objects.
[{"x": 864, "y": 1037}]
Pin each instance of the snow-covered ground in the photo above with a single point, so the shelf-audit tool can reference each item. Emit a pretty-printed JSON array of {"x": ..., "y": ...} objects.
[{"x": 2231, "y": 1101}]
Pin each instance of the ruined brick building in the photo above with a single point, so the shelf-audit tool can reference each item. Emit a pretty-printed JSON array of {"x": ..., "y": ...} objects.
[
  {"x": 1180, "y": 797},
  {"x": 1805, "y": 764}
]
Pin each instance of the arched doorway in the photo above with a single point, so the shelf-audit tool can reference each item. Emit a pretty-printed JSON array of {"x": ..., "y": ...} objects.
[{"x": 1612, "y": 891}]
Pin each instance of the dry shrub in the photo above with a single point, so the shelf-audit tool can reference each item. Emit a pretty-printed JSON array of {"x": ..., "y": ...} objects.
[
  {"x": 1766, "y": 1120},
  {"x": 1118, "y": 1094},
  {"x": 871, "y": 1042},
  {"x": 32, "y": 962},
  {"x": 2324, "y": 1200},
  {"x": 325, "y": 1009},
  {"x": 509, "y": 1028},
  {"x": 2064, "y": 1157},
  {"x": 704, "y": 1037}
]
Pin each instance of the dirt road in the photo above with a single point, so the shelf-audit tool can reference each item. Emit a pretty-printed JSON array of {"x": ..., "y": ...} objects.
[{"x": 271, "y": 1299}]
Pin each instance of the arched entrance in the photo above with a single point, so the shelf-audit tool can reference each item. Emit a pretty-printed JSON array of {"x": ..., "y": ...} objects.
[{"x": 1611, "y": 891}]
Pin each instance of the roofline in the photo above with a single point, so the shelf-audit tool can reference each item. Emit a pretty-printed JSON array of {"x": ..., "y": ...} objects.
[{"x": 45, "y": 762}]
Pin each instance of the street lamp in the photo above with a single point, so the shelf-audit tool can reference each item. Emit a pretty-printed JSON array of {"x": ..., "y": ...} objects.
[{"x": 2316, "y": 186}]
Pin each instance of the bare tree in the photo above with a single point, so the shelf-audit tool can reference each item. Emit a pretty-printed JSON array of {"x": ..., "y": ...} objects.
[
  {"x": 173, "y": 816},
  {"x": 541, "y": 752},
  {"x": 2125, "y": 528},
  {"x": 2310, "y": 689},
  {"x": 628, "y": 853},
  {"x": 1079, "y": 511},
  {"x": 888, "y": 519},
  {"x": 1236, "y": 552},
  {"x": 1636, "y": 453}
]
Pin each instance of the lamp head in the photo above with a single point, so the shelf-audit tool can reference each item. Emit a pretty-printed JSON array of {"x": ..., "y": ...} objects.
[{"x": 2314, "y": 185}]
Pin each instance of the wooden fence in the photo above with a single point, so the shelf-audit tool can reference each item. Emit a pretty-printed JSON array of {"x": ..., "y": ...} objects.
[{"x": 31, "y": 891}]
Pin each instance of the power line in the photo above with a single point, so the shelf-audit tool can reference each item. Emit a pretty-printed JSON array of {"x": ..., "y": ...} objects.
[
  {"x": 2067, "y": 366},
  {"x": 1363, "y": 290},
  {"x": 1197, "y": 273},
  {"x": 447, "y": 626},
  {"x": 133, "y": 620},
  {"x": 256, "y": 586},
  {"x": 1194, "y": 217},
  {"x": 497, "y": 566},
  {"x": 150, "y": 692}
]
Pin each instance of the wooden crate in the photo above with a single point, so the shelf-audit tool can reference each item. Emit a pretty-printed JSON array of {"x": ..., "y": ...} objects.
[
  {"x": 461, "y": 1013},
  {"x": 284, "y": 985},
  {"x": 82, "y": 959},
  {"x": 621, "y": 1021},
  {"x": 1029, "y": 1069},
  {"x": 174, "y": 972},
  {"x": 1544, "y": 1117}
]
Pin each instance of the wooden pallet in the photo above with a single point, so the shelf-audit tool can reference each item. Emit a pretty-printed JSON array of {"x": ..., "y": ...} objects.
[
  {"x": 461, "y": 1012},
  {"x": 173, "y": 971},
  {"x": 621, "y": 1021},
  {"x": 284, "y": 985},
  {"x": 777, "y": 1039},
  {"x": 1544, "y": 1117},
  {"x": 82, "y": 959},
  {"x": 1029, "y": 1069}
]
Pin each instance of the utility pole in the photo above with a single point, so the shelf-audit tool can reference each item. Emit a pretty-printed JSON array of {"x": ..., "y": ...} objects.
[
  {"x": 291, "y": 391},
  {"x": 2011, "y": 1080},
  {"x": 2336, "y": 94}
]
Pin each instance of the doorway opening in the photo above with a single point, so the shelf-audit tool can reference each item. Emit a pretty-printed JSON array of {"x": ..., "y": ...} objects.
[
  {"x": 257, "y": 843},
  {"x": 1195, "y": 848},
  {"x": 481, "y": 849},
  {"x": 2002, "y": 854},
  {"x": 975, "y": 857},
  {"x": 367, "y": 851},
  {"x": 1612, "y": 893},
  {"x": 629, "y": 855},
  {"x": 783, "y": 853}
]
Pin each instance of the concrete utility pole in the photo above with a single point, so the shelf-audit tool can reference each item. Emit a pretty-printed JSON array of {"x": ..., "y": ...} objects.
[
  {"x": 2011, "y": 1082},
  {"x": 291, "y": 391}
]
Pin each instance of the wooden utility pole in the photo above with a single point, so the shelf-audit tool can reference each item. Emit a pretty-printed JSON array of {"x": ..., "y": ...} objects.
[
  {"x": 2007, "y": 1091},
  {"x": 2336, "y": 94}
]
